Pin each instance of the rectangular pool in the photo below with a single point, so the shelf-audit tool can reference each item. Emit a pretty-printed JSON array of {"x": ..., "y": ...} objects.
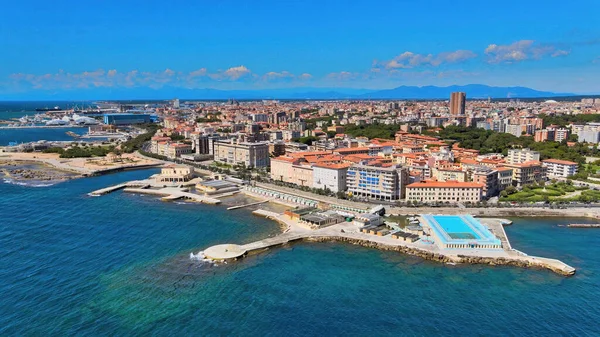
[{"x": 456, "y": 227}]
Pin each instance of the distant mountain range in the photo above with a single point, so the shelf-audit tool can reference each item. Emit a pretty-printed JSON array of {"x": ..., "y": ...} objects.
[{"x": 479, "y": 91}]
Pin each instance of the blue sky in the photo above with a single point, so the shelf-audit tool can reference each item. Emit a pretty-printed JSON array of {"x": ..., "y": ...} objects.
[{"x": 61, "y": 46}]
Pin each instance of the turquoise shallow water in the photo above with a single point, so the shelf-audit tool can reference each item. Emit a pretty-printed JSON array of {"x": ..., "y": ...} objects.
[{"x": 119, "y": 265}]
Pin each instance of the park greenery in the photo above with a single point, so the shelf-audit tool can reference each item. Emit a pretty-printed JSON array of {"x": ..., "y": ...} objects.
[
  {"x": 564, "y": 120},
  {"x": 82, "y": 151},
  {"x": 308, "y": 140},
  {"x": 136, "y": 143},
  {"x": 375, "y": 130},
  {"x": 550, "y": 192}
]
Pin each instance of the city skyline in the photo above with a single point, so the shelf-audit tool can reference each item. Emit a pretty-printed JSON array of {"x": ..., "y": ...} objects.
[{"x": 73, "y": 47}]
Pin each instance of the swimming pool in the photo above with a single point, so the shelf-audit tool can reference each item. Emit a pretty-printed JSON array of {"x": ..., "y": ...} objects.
[
  {"x": 456, "y": 227},
  {"x": 460, "y": 231}
]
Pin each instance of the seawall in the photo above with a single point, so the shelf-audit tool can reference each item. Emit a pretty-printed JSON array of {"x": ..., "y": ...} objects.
[{"x": 431, "y": 256}]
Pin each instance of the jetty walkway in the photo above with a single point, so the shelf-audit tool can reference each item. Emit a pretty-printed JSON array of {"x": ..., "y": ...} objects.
[{"x": 349, "y": 232}]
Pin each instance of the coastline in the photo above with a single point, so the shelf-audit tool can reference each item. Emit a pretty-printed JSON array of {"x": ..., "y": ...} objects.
[
  {"x": 79, "y": 167},
  {"x": 293, "y": 232}
]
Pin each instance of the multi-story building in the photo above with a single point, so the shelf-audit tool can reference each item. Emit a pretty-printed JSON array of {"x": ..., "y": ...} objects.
[
  {"x": 518, "y": 156},
  {"x": 378, "y": 183},
  {"x": 449, "y": 174},
  {"x": 457, "y": 103},
  {"x": 587, "y": 133},
  {"x": 330, "y": 176},
  {"x": 527, "y": 173},
  {"x": 447, "y": 191},
  {"x": 561, "y": 134},
  {"x": 488, "y": 177},
  {"x": 559, "y": 168},
  {"x": 260, "y": 118},
  {"x": 505, "y": 175},
  {"x": 236, "y": 153},
  {"x": 175, "y": 150},
  {"x": 277, "y": 148},
  {"x": 126, "y": 119},
  {"x": 288, "y": 135},
  {"x": 205, "y": 144}
]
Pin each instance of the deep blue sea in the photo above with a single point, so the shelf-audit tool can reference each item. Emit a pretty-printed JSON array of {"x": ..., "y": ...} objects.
[{"x": 119, "y": 265}]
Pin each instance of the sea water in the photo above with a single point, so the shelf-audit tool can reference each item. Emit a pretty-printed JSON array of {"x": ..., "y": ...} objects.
[{"x": 119, "y": 264}]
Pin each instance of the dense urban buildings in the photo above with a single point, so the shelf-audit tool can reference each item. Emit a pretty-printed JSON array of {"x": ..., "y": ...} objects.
[{"x": 381, "y": 151}]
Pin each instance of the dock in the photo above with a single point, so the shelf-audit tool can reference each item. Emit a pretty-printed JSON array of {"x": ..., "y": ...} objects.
[
  {"x": 172, "y": 193},
  {"x": 584, "y": 225},
  {"x": 247, "y": 205},
  {"x": 114, "y": 188}
]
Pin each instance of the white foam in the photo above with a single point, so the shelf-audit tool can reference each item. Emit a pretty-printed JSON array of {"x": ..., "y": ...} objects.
[
  {"x": 21, "y": 183},
  {"x": 199, "y": 257}
]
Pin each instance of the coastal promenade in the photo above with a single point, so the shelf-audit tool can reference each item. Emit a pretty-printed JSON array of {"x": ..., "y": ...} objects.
[
  {"x": 488, "y": 211},
  {"x": 350, "y": 233}
]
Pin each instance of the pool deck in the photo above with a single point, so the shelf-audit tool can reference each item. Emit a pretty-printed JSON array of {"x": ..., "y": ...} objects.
[{"x": 349, "y": 232}]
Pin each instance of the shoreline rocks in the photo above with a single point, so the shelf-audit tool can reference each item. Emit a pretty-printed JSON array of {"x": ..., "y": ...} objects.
[{"x": 500, "y": 261}]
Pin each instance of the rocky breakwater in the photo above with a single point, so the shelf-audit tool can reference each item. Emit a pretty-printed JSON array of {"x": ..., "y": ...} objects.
[
  {"x": 437, "y": 257},
  {"x": 25, "y": 171}
]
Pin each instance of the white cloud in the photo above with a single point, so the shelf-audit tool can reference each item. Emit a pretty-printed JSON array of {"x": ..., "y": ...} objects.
[
  {"x": 235, "y": 73},
  {"x": 273, "y": 75},
  {"x": 134, "y": 78},
  {"x": 560, "y": 53},
  {"x": 408, "y": 60},
  {"x": 520, "y": 51},
  {"x": 198, "y": 73}
]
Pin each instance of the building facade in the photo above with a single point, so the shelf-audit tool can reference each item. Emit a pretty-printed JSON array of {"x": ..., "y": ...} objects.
[
  {"x": 378, "y": 183},
  {"x": 457, "y": 103},
  {"x": 518, "y": 156},
  {"x": 559, "y": 168},
  {"x": 448, "y": 191},
  {"x": 236, "y": 153},
  {"x": 330, "y": 176}
]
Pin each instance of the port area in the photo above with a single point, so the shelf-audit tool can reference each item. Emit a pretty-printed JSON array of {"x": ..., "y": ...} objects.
[{"x": 425, "y": 246}]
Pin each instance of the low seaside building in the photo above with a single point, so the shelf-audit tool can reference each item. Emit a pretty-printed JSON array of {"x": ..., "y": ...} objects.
[{"x": 175, "y": 174}]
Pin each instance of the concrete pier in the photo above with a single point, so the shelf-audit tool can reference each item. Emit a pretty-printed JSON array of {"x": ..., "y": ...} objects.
[
  {"x": 247, "y": 205},
  {"x": 110, "y": 189},
  {"x": 173, "y": 193},
  {"x": 349, "y": 232},
  {"x": 584, "y": 225}
]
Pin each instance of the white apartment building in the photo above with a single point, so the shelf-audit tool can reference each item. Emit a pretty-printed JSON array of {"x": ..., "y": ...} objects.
[
  {"x": 519, "y": 156},
  {"x": 448, "y": 191},
  {"x": 559, "y": 168},
  {"x": 330, "y": 176},
  {"x": 379, "y": 183}
]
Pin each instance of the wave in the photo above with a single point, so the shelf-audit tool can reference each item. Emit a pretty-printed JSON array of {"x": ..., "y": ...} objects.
[
  {"x": 28, "y": 184},
  {"x": 200, "y": 257}
]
